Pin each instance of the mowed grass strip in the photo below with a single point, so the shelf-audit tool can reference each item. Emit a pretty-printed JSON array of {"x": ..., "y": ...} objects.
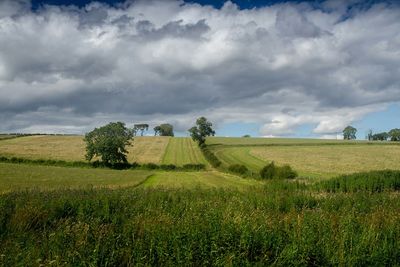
[
  {"x": 329, "y": 161},
  {"x": 183, "y": 150},
  {"x": 238, "y": 155},
  {"x": 191, "y": 180},
  {"x": 21, "y": 177},
  {"x": 148, "y": 149},
  {"x": 72, "y": 148}
]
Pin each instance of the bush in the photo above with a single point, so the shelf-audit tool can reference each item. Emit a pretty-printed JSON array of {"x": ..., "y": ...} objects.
[
  {"x": 268, "y": 172},
  {"x": 238, "y": 168},
  {"x": 214, "y": 161},
  {"x": 271, "y": 171},
  {"x": 168, "y": 167},
  {"x": 285, "y": 172},
  {"x": 194, "y": 167},
  {"x": 150, "y": 166}
]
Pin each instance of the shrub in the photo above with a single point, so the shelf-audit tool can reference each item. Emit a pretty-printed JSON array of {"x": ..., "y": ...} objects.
[
  {"x": 238, "y": 168},
  {"x": 285, "y": 172},
  {"x": 150, "y": 166},
  {"x": 194, "y": 167},
  {"x": 214, "y": 161},
  {"x": 168, "y": 167},
  {"x": 268, "y": 172},
  {"x": 271, "y": 171}
]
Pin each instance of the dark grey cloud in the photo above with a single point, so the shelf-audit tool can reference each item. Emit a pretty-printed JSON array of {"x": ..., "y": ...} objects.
[{"x": 280, "y": 66}]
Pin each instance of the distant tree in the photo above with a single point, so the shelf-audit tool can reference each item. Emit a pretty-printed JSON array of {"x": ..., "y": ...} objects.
[
  {"x": 165, "y": 129},
  {"x": 202, "y": 129},
  {"x": 394, "y": 134},
  {"x": 380, "y": 136},
  {"x": 369, "y": 135},
  {"x": 246, "y": 136},
  {"x": 140, "y": 127},
  {"x": 157, "y": 130},
  {"x": 108, "y": 142},
  {"x": 349, "y": 133}
]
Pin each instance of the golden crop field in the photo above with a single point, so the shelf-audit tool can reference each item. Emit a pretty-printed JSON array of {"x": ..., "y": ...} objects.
[
  {"x": 332, "y": 160},
  {"x": 72, "y": 148}
]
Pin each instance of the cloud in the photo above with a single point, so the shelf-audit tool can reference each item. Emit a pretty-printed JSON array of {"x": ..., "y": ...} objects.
[{"x": 282, "y": 66}]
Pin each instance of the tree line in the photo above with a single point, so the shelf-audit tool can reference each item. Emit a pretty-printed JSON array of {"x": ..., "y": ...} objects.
[{"x": 349, "y": 133}]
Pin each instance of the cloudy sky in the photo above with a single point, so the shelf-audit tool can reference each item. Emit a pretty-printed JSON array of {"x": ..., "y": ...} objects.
[{"x": 266, "y": 68}]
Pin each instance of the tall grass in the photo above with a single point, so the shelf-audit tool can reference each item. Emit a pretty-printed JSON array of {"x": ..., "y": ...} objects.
[
  {"x": 374, "y": 181},
  {"x": 281, "y": 224}
]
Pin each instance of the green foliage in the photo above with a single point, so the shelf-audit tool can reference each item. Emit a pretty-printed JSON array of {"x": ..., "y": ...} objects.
[
  {"x": 202, "y": 129},
  {"x": 394, "y": 134},
  {"x": 210, "y": 157},
  {"x": 374, "y": 181},
  {"x": 140, "y": 127},
  {"x": 349, "y": 133},
  {"x": 108, "y": 142},
  {"x": 271, "y": 171},
  {"x": 194, "y": 167},
  {"x": 268, "y": 172},
  {"x": 164, "y": 130},
  {"x": 246, "y": 136},
  {"x": 282, "y": 226},
  {"x": 380, "y": 136},
  {"x": 238, "y": 168}
]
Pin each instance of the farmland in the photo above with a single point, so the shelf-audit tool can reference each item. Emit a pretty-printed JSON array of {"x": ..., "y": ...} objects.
[
  {"x": 97, "y": 216},
  {"x": 182, "y": 150},
  {"x": 311, "y": 158}
]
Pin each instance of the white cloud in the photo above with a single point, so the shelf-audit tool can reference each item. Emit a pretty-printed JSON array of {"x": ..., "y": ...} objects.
[{"x": 281, "y": 66}]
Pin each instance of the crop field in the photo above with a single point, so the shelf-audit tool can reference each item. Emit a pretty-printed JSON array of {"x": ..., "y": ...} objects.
[
  {"x": 311, "y": 158},
  {"x": 24, "y": 176},
  {"x": 72, "y": 148},
  {"x": 146, "y": 149},
  {"x": 182, "y": 150}
]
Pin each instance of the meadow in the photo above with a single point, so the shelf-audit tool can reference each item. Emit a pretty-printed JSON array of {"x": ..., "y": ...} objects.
[
  {"x": 69, "y": 216},
  {"x": 315, "y": 159}
]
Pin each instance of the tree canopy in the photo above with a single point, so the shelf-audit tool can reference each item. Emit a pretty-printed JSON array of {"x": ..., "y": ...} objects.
[
  {"x": 140, "y": 127},
  {"x": 349, "y": 133},
  {"x": 202, "y": 129},
  {"x": 394, "y": 134},
  {"x": 164, "y": 129},
  {"x": 108, "y": 142}
]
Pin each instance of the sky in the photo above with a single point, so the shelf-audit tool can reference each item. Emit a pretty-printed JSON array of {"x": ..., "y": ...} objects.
[{"x": 264, "y": 68}]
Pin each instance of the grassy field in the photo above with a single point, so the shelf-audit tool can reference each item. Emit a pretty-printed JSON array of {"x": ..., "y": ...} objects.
[
  {"x": 192, "y": 180},
  {"x": 72, "y": 148},
  {"x": 278, "y": 224},
  {"x": 23, "y": 176},
  {"x": 311, "y": 158},
  {"x": 182, "y": 150}
]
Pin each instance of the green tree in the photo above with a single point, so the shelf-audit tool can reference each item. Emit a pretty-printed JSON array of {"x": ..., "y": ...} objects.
[
  {"x": 380, "y": 136},
  {"x": 140, "y": 127},
  {"x": 349, "y": 133},
  {"x": 108, "y": 142},
  {"x": 164, "y": 129},
  {"x": 202, "y": 129},
  {"x": 394, "y": 134}
]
